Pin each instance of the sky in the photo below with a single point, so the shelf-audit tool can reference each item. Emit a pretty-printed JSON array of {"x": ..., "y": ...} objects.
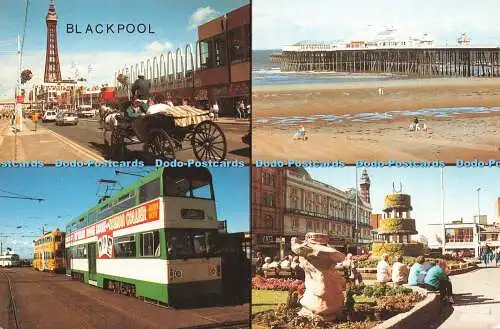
[
  {"x": 68, "y": 192},
  {"x": 277, "y": 23},
  {"x": 174, "y": 23},
  {"x": 424, "y": 187}
]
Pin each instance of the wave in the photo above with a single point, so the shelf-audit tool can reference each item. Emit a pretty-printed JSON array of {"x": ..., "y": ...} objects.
[{"x": 277, "y": 71}]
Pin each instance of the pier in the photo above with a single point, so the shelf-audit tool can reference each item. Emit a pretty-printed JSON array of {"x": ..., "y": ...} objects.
[{"x": 452, "y": 61}]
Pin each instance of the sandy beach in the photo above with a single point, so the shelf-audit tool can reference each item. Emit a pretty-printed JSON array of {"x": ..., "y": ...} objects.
[{"x": 279, "y": 110}]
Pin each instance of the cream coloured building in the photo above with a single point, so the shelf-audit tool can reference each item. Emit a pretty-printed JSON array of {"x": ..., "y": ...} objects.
[{"x": 314, "y": 206}]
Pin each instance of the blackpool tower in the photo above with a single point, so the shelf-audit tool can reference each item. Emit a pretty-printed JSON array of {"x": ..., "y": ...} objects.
[{"x": 52, "y": 68}]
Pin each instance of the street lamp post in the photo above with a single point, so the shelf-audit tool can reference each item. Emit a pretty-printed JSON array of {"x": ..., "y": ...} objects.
[
  {"x": 356, "y": 235},
  {"x": 89, "y": 69},
  {"x": 478, "y": 222}
]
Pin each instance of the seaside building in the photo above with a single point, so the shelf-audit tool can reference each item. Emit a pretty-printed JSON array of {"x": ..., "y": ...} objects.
[
  {"x": 288, "y": 203},
  {"x": 390, "y": 51},
  {"x": 216, "y": 69}
]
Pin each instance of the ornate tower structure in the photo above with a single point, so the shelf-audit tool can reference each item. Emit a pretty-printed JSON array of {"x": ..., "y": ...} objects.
[
  {"x": 364, "y": 186},
  {"x": 397, "y": 226},
  {"x": 52, "y": 68}
]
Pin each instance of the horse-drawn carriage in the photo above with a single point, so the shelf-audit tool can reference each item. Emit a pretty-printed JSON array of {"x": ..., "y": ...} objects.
[{"x": 163, "y": 131}]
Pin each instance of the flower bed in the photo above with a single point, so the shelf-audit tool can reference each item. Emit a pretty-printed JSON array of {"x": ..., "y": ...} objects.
[
  {"x": 365, "y": 307},
  {"x": 262, "y": 283}
]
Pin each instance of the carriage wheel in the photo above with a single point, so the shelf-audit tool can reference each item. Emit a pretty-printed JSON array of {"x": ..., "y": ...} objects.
[
  {"x": 159, "y": 146},
  {"x": 208, "y": 142},
  {"x": 116, "y": 145}
]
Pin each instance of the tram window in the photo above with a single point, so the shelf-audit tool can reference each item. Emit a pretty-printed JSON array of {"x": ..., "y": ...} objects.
[
  {"x": 125, "y": 247},
  {"x": 81, "y": 251},
  {"x": 92, "y": 217},
  {"x": 149, "y": 191},
  {"x": 176, "y": 186},
  {"x": 190, "y": 243},
  {"x": 150, "y": 244},
  {"x": 201, "y": 189}
]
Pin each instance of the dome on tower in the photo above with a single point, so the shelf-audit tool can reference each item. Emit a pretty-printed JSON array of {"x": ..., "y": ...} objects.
[
  {"x": 365, "y": 179},
  {"x": 51, "y": 15}
]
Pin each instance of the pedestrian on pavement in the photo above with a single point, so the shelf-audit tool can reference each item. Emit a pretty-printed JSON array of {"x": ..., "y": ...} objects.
[
  {"x": 383, "y": 270},
  {"x": 437, "y": 280},
  {"x": 249, "y": 110},
  {"x": 215, "y": 109},
  {"x": 241, "y": 110}
]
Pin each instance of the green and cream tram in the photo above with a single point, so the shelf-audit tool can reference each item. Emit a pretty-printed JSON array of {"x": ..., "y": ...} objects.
[{"x": 155, "y": 239}]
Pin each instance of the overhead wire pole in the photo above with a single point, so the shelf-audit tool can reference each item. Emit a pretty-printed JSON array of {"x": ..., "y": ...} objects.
[
  {"x": 20, "y": 49},
  {"x": 442, "y": 213}
]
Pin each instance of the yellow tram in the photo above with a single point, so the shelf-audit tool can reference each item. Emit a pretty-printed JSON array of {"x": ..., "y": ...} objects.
[{"x": 49, "y": 252}]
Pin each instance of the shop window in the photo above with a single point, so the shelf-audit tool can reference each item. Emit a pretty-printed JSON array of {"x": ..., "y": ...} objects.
[
  {"x": 205, "y": 58},
  {"x": 220, "y": 51}
]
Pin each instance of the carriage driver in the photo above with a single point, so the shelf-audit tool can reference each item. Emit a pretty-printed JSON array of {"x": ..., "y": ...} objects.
[{"x": 140, "y": 88}]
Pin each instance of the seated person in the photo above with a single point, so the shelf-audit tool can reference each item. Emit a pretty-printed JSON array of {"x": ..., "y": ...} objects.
[
  {"x": 414, "y": 277},
  {"x": 399, "y": 271},
  {"x": 436, "y": 279},
  {"x": 137, "y": 109},
  {"x": 285, "y": 263},
  {"x": 383, "y": 270},
  {"x": 275, "y": 263},
  {"x": 267, "y": 261}
]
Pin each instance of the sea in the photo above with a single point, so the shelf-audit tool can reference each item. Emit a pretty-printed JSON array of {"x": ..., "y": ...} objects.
[{"x": 265, "y": 73}]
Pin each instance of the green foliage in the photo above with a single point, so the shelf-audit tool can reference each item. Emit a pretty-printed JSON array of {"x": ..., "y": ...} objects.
[
  {"x": 349, "y": 301},
  {"x": 395, "y": 249}
]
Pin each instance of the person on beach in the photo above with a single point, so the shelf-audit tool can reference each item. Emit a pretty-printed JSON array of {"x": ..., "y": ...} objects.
[{"x": 300, "y": 134}]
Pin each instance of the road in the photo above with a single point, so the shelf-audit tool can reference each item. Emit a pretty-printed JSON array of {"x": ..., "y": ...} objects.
[
  {"x": 46, "y": 300},
  {"x": 89, "y": 135},
  {"x": 477, "y": 301}
]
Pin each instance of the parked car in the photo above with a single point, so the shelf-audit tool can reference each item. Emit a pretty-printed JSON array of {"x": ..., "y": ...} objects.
[
  {"x": 49, "y": 116},
  {"x": 85, "y": 111},
  {"x": 65, "y": 118}
]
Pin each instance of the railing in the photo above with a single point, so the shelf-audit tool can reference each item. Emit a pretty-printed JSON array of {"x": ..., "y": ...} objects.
[{"x": 164, "y": 72}]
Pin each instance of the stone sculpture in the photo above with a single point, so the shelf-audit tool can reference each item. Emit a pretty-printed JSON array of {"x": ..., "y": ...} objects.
[{"x": 323, "y": 297}]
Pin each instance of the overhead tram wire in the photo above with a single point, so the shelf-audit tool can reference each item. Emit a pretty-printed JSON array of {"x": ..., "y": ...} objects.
[{"x": 18, "y": 196}]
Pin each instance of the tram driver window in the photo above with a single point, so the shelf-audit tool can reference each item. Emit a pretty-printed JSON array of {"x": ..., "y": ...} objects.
[
  {"x": 150, "y": 244},
  {"x": 176, "y": 186}
]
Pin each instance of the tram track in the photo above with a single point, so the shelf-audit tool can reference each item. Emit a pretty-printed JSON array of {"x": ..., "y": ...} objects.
[{"x": 13, "y": 313}]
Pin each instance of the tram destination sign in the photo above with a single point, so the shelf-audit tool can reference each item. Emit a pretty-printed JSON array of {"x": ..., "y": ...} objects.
[{"x": 139, "y": 215}]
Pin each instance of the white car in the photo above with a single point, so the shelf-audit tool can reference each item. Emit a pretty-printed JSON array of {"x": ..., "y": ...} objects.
[
  {"x": 49, "y": 116},
  {"x": 86, "y": 111},
  {"x": 65, "y": 118}
]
